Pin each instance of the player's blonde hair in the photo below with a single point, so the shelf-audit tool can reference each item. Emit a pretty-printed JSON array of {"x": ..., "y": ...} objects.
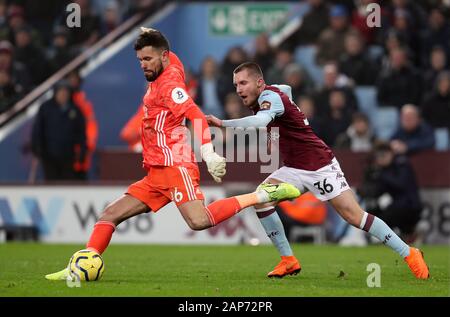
[{"x": 252, "y": 68}]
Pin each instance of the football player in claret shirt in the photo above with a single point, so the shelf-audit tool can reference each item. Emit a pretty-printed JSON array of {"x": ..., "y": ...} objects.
[
  {"x": 173, "y": 174},
  {"x": 309, "y": 164}
]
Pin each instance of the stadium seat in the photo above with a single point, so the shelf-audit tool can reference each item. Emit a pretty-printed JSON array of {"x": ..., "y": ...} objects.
[
  {"x": 442, "y": 139},
  {"x": 317, "y": 233},
  {"x": 386, "y": 122},
  {"x": 19, "y": 233},
  {"x": 305, "y": 55},
  {"x": 367, "y": 101}
]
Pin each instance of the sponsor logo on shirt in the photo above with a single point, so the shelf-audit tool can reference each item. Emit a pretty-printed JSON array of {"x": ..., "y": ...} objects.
[
  {"x": 265, "y": 105},
  {"x": 179, "y": 95}
]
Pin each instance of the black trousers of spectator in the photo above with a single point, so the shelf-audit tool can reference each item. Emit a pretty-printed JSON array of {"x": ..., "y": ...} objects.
[
  {"x": 58, "y": 169},
  {"x": 405, "y": 219}
]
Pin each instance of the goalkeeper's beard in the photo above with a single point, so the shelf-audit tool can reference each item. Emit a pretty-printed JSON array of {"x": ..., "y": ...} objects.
[{"x": 155, "y": 74}]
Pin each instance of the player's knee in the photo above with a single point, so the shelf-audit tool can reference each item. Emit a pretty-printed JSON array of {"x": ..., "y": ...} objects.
[{"x": 198, "y": 223}]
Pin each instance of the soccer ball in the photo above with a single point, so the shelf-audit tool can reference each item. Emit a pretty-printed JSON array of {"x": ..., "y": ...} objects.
[{"x": 86, "y": 265}]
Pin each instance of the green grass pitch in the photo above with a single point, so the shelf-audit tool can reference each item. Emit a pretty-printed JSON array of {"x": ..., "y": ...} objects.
[{"x": 158, "y": 270}]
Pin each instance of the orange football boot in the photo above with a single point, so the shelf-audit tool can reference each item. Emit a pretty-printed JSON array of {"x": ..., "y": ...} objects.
[
  {"x": 289, "y": 265},
  {"x": 417, "y": 263}
]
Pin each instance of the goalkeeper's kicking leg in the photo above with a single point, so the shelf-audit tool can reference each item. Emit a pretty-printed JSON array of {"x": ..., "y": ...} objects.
[{"x": 197, "y": 216}]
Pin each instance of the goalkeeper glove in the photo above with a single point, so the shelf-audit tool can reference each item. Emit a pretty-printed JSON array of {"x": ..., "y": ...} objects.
[{"x": 215, "y": 162}]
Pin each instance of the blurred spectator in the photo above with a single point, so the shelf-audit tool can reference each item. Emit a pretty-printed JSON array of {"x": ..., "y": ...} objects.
[
  {"x": 80, "y": 100},
  {"x": 85, "y": 36},
  {"x": 391, "y": 41},
  {"x": 131, "y": 132},
  {"x": 296, "y": 77},
  {"x": 313, "y": 23},
  {"x": 436, "y": 107},
  {"x": 264, "y": 54},
  {"x": 233, "y": 107},
  {"x": 437, "y": 33},
  {"x": 43, "y": 15},
  {"x": 31, "y": 55},
  {"x": 332, "y": 80},
  {"x": 110, "y": 18},
  {"x": 4, "y": 31},
  {"x": 208, "y": 88},
  {"x": 234, "y": 57},
  {"x": 413, "y": 135},
  {"x": 306, "y": 105},
  {"x": 146, "y": 6},
  {"x": 416, "y": 14},
  {"x": 355, "y": 63},
  {"x": 359, "y": 136},
  {"x": 438, "y": 63},
  {"x": 9, "y": 93},
  {"x": 330, "y": 45},
  {"x": 16, "y": 21},
  {"x": 399, "y": 83},
  {"x": 58, "y": 137},
  {"x": 359, "y": 20},
  {"x": 402, "y": 25},
  {"x": 102, "y": 5},
  {"x": 17, "y": 71},
  {"x": 283, "y": 57},
  {"x": 191, "y": 83},
  {"x": 397, "y": 30},
  {"x": 390, "y": 191},
  {"x": 235, "y": 110},
  {"x": 59, "y": 52},
  {"x": 339, "y": 116}
]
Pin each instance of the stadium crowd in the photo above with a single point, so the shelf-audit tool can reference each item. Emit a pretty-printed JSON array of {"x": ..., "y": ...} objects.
[
  {"x": 405, "y": 61},
  {"x": 35, "y": 41}
]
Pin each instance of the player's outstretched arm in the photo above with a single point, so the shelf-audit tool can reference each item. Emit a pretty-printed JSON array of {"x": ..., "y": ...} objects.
[
  {"x": 260, "y": 120},
  {"x": 216, "y": 163}
]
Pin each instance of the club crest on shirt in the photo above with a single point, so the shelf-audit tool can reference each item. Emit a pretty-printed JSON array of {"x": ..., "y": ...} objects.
[
  {"x": 265, "y": 105},
  {"x": 179, "y": 95}
]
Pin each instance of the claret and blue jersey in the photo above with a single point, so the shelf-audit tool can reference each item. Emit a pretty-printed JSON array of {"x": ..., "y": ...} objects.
[{"x": 299, "y": 146}]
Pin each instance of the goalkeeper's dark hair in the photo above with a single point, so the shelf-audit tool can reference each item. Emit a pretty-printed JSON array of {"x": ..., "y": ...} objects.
[
  {"x": 252, "y": 68},
  {"x": 152, "y": 38}
]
